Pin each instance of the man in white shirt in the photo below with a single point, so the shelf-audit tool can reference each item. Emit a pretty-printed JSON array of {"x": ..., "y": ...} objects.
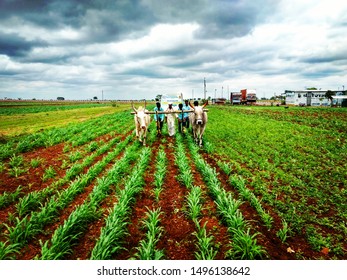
[{"x": 171, "y": 118}]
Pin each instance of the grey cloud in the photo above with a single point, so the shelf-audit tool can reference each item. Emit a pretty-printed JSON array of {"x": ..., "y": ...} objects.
[
  {"x": 101, "y": 21},
  {"x": 113, "y": 20},
  {"x": 114, "y": 25},
  {"x": 14, "y": 45},
  {"x": 8, "y": 72},
  {"x": 325, "y": 58},
  {"x": 217, "y": 19},
  {"x": 317, "y": 73},
  {"x": 47, "y": 13}
]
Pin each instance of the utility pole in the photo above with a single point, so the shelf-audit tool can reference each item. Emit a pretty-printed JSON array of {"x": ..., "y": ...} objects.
[{"x": 102, "y": 95}]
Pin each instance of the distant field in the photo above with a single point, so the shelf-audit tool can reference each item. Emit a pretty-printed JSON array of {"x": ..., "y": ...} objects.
[
  {"x": 15, "y": 108},
  {"x": 269, "y": 183},
  {"x": 18, "y": 118}
]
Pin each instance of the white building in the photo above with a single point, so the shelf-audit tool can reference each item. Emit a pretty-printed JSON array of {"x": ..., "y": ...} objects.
[{"x": 307, "y": 97}]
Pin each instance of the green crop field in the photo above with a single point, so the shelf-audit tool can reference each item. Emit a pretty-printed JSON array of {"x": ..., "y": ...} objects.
[{"x": 268, "y": 183}]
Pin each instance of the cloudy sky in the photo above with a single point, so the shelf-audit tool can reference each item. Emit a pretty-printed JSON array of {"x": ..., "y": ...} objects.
[{"x": 133, "y": 49}]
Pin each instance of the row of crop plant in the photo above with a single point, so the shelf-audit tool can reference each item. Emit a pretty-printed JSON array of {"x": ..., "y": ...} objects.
[
  {"x": 239, "y": 183},
  {"x": 244, "y": 243},
  {"x": 110, "y": 241},
  {"x": 160, "y": 173},
  {"x": 147, "y": 248},
  {"x": 67, "y": 235},
  {"x": 21, "y": 231},
  {"x": 205, "y": 247}
]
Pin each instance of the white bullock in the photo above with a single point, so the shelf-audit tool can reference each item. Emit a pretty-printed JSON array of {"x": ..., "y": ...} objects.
[
  {"x": 198, "y": 121},
  {"x": 142, "y": 121}
]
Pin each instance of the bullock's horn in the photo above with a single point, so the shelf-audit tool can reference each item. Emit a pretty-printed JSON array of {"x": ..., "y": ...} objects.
[
  {"x": 190, "y": 104},
  {"x": 206, "y": 103},
  {"x": 132, "y": 105}
]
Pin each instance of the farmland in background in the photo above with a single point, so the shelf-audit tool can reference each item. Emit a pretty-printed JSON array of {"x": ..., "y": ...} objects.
[{"x": 269, "y": 183}]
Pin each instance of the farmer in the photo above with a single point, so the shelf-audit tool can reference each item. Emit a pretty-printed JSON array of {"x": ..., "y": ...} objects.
[
  {"x": 171, "y": 118},
  {"x": 186, "y": 107},
  {"x": 180, "y": 118},
  {"x": 159, "y": 118}
]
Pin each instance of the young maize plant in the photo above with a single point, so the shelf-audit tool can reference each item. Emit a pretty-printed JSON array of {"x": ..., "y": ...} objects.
[
  {"x": 245, "y": 246},
  {"x": 16, "y": 163},
  {"x": 92, "y": 146},
  {"x": 147, "y": 249},
  {"x": 68, "y": 234},
  {"x": 283, "y": 233},
  {"x": 194, "y": 204},
  {"x": 111, "y": 235},
  {"x": 238, "y": 228},
  {"x": 159, "y": 175},
  {"x": 228, "y": 207},
  {"x": 182, "y": 162},
  {"x": 7, "y": 251},
  {"x": 206, "y": 250},
  {"x": 7, "y": 198}
]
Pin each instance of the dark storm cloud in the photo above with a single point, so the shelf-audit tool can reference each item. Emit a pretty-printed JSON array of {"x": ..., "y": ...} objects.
[
  {"x": 217, "y": 19},
  {"x": 100, "y": 21},
  {"x": 14, "y": 45},
  {"x": 113, "y": 20},
  {"x": 229, "y": 19},
  {"x": 50, "y": 14}
]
